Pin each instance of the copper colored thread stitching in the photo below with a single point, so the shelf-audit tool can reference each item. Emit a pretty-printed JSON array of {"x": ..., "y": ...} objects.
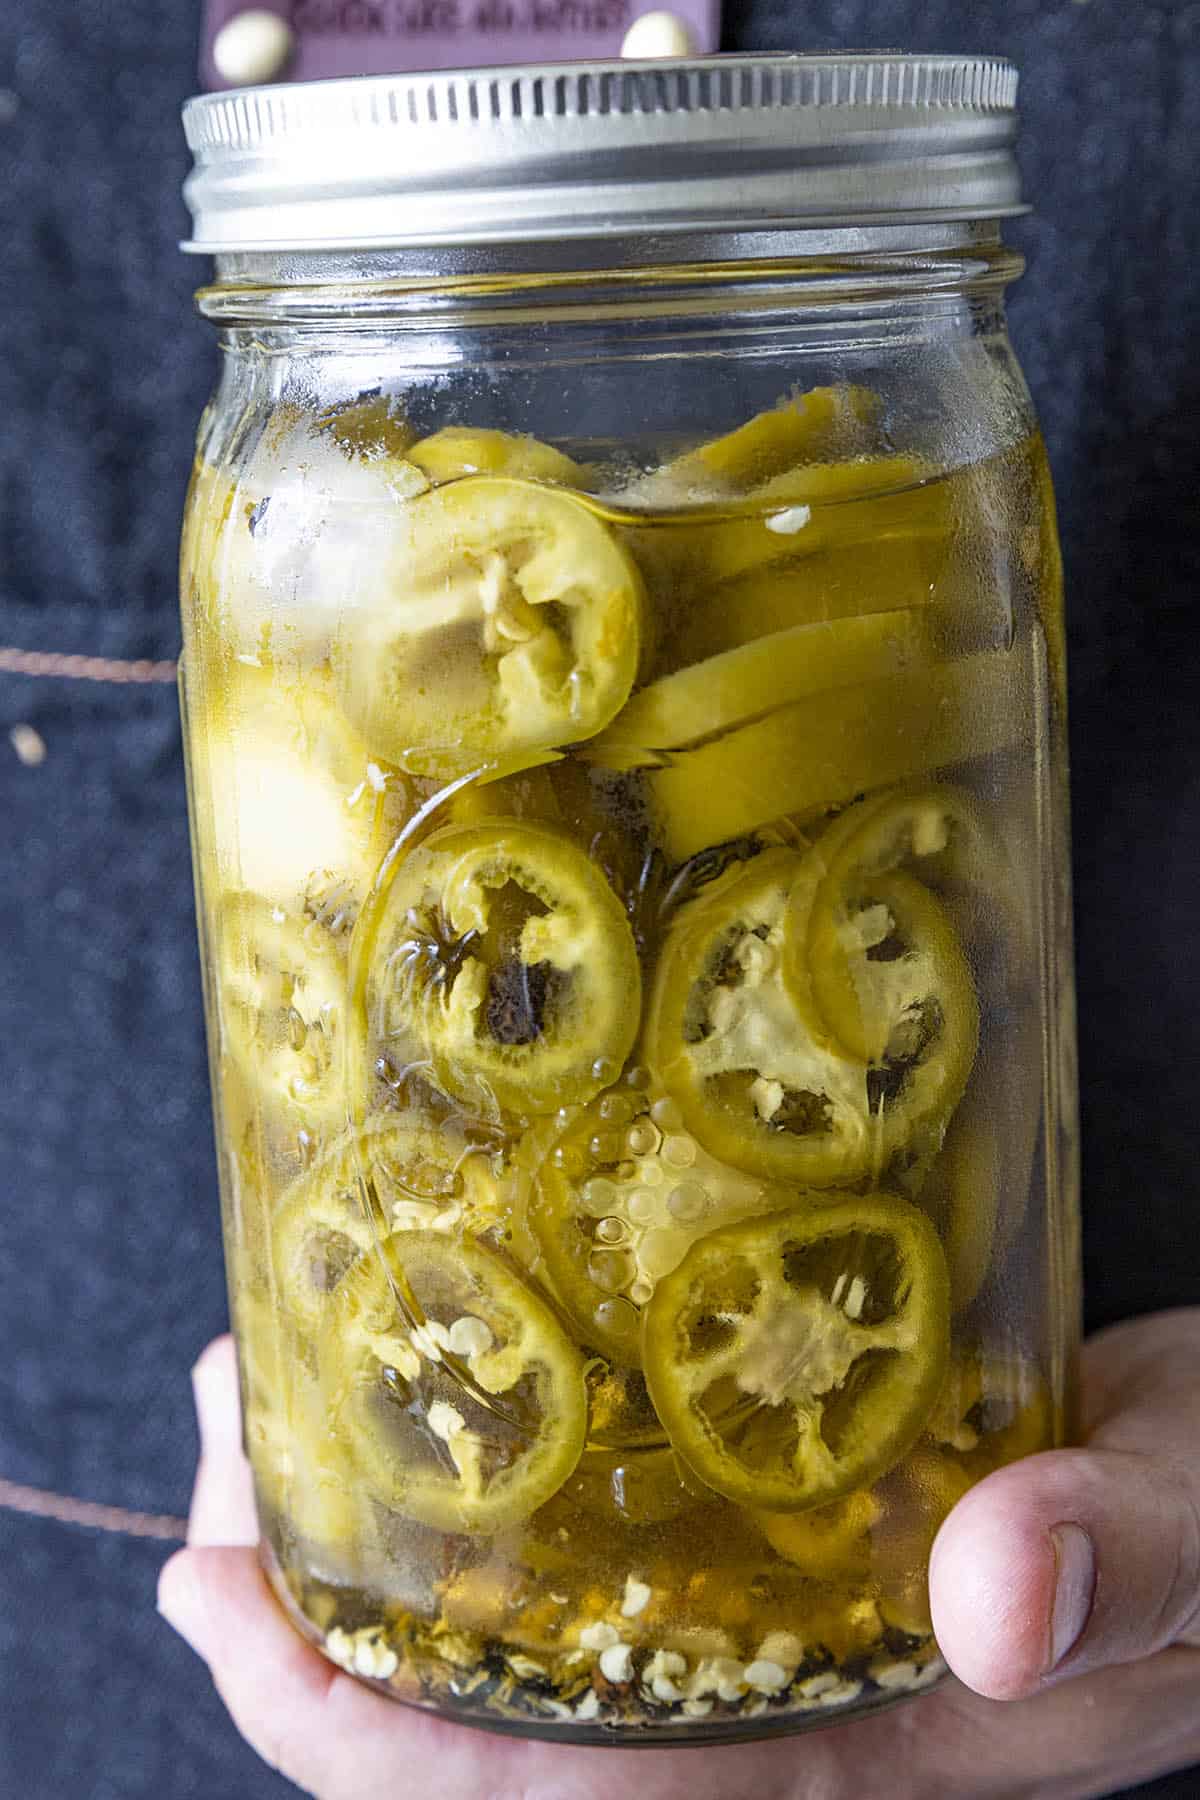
[
  {"x": 69, "y": 1511},
  {"x": 35, "y": 1501},
  {"x": 82, "y": 668}
]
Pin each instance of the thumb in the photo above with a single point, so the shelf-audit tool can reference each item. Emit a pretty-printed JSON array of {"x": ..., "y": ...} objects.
[{"x": 1066, "y": 1563}]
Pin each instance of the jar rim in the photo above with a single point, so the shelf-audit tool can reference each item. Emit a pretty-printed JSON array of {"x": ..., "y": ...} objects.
[{"x": 577, "y": 152}]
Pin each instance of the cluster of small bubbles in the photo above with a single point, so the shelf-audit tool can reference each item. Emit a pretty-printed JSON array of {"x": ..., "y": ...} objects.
[
  {"x": 667, "y": 1114},
  {"x": 679, "y": 1152},
  {"x": 616, "y": 1109},
  {"x": 611, "y": 1231},
  {"x": 643, "y": 1138},
  {"x": 687, "y": 1202}
]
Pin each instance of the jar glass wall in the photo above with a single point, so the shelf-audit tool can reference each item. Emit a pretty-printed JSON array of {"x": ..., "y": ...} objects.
[{"x": 626, "y": 739}]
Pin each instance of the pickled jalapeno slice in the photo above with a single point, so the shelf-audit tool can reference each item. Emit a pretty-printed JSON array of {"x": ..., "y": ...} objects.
[
  {"x": 798, "y": 1357},
  {"x": 892, "y": 986},
  {"x": 322, "y": 1230},
  {"x": 840, "y": 581},
  {"x": 934, "y": 830},
  {"x": 396, "y": 1171},
  {"x": 282, "y": 984},
  {"x": 876, "y": 955},
  {"x": 993, "y": 1409},
  {"x": 468, "y": 1417},
  {"x": 828, "y": 1540},
  {"x": 371, "y": 428},
  {"x": 458, "y": 450},
  {"x": 303, "y": 1478},
  {"x": 914, "y": 1502},
  {"x": 302, "y": 801},
  {"x": 503, "y": 957},
  {"x": 512, "y": 624},
  {"x": 825, "y": 751},
  {"x": 725, "y": 691},
  {"x": 620, "y": 1200},
  {"x": 961, "y": 1194},
  {"x": 804, "y": 428},
  {"x": 732, "y": 1046},
  {"x": 828, "y": 507}
]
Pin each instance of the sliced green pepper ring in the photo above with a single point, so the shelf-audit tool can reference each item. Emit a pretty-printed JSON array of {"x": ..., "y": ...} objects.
[
  {"x": 514, "y": 626},
  {"x": 724, "y": 691},
  {"x": 459, "y": 450},
  {"x": 933, "y": 829},
  {"x": 303, "y": 1479},
  {"x": 914, "y": 1503},
  {"x": 978, "y": 1189},
  {"x": 797, "y": 1357},
  {"x": 371, "y": 429},
  {"x": 805, "y": 428},
  {"x": 397, "y": 1171},
  {"x": 618, "y": 1208},
  {"x": 828, "y": 507},
  {"x": 829, "y": 1540},
  {"x": 423, "y": 1444},
  {"x": 281, "y": 985},
  {"x": 502, "y": 956},
  {"x": 755, "y": 1085},
  {"x": 893, "y": 987},
  {"x": 851, "y": 580},
  {"x": 994, "y": 1408},
  {"x": 285, "y": 785},
  {"x": 961, "y": 1194},
  {"x": 824, "y": 751}
]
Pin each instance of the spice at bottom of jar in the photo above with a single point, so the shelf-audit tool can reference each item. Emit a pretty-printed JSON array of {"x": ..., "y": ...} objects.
[{"x": 613, "y": 1682}]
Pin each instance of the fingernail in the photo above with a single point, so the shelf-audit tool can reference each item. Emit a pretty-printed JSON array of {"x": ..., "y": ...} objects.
[{"x": 1074, "y": 1588}]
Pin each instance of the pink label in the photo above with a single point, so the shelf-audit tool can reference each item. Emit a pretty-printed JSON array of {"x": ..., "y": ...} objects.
[{"x": 387, "y": 37}]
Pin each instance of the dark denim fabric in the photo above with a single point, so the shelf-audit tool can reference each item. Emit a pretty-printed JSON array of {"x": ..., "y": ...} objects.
[{"x": 110, "y": 1261}]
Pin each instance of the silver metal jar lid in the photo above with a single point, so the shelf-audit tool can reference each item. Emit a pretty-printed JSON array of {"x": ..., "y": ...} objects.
[{"x": 596, "y": 150}]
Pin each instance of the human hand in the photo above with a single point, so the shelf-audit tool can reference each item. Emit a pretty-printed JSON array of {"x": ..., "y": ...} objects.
[{"x": 1067, "y": 1586}]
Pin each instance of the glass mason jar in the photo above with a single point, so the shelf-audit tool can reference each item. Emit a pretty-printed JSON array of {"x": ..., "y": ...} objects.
[{"x": 624, "y": 697}]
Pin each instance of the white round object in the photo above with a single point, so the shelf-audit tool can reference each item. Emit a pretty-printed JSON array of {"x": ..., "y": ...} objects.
[
  {"x": 252, "y": 47},
  {"x": 658, "y": 34}
]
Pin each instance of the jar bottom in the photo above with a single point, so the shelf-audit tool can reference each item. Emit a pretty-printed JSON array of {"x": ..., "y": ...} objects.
[{"x": 485, "y": 1691}]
